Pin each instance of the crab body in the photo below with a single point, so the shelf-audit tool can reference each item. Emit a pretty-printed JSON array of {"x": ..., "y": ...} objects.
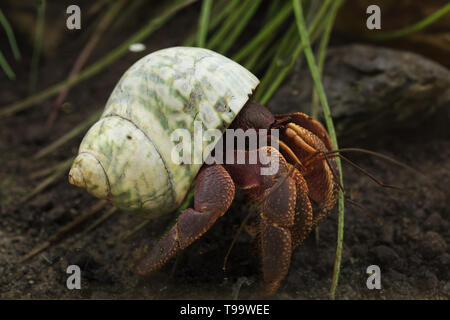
[{"x": 126, "y": 157}]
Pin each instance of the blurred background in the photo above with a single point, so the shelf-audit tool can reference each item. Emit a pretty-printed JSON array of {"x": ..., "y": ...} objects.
[{"x": 388, "y": 91}]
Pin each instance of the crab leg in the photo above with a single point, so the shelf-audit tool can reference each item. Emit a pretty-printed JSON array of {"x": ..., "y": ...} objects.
[
  {"x": 278, "y": 194},
  {"x": 303, "y": 221},
  {"x": 214, "y": 192},
  {"x": 277, "y": 216},
  {"x": 319, "y": 177},
  {"x": 314, "y": 126}
]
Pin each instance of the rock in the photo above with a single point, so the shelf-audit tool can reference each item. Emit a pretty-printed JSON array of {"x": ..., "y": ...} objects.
[
  {"x": 433, "y": 222},
  {"x": 419, "y": 213},
  {"x": 42, "y": 201},
  {"x": 447, "y": 288},
  {"x": 444, "y": 266},
  {"x": 414, "y": 232},
  {"x": 387, "y": 232},
  {"x": 429, "y": 280},
  {"x": 433, "y": 245},
  {"x": 33, "y": 232},
  {"x": 385, "y": 255},
  {"x": 57, "y": 214},
  {"x": 374, "y": 89},
  {"x": 396, "y": 14},
  {"x": 360, "y": 250}
]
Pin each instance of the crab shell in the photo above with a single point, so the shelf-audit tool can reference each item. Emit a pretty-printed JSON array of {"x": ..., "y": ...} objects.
[{"x": 126, "y": 156}]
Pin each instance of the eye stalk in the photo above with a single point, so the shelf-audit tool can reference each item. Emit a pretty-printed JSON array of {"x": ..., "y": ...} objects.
[{"x": 281, "y": 123}]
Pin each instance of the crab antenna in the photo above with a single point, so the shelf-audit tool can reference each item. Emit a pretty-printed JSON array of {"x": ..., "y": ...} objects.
[
  {"x": 334, "y": 153},
  {"x": 379, "y": 155},
  {"x": 366, "y": 211},
  {"x": 401, "y": 164},
  {"x": 336, "y": 180},
  {"x": 224, "y": 267},
  {"x": 371, "y": 176}
]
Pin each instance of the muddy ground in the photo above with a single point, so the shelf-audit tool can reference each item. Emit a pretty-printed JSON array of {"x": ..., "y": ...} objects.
[{"x": 410, "y": 245}]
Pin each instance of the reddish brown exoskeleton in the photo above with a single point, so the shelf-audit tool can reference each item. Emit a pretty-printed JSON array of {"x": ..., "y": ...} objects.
[{"x": 292, "y": 201}]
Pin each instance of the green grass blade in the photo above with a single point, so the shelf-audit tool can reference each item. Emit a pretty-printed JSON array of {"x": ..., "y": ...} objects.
[
  {"x": 203, "y": 23},
  {"x": 6, "y": 67},
  {"x": 413, "y": 28},
  {"x": 95, "y": 68},
  {"x": 37, "y": 45},
  {"x": 330, "y": 126},
  {"x": 250, "y": 63},
  {"x": 290, "y": 46},
  {"x": 269, "y": 29},
  {"x": 321, "y": 56},
  {"x": 10, "y": 35},
  {"x": 229, "y": 25},
  {"x": 218, "y": 14},
  {"x": 239, "y": 27},
  {"x": 77, "y": 130}
]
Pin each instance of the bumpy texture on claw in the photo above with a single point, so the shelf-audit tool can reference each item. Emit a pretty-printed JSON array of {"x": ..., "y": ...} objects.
[
  {"x": 214, "y": 192},
  {"x": 284, "y": 206},
  {"x": 308, "y": 140},
  {"x": 290, "y": 201}
]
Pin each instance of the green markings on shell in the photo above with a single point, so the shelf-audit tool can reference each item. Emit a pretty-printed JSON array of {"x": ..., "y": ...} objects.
[{"x": 131, "y": 144}]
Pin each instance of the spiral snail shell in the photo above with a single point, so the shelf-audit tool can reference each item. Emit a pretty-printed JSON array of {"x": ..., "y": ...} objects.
[{"x": 126, "y": 156}]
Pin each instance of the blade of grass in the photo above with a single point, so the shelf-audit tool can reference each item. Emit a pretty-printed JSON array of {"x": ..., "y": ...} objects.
[
  {"x": 97, "y": 6},
  {"x": 231, "y": 21},
  {"x": 239, "y": 27},
  {"x": 6, "y": 67},
  {"x": 108, "y": 214},
  {"x": 277, "y": 73},
  {"x": 321, "y": 57},
  {"x": 95, "y": 68},
  {"x": 10, "y": 34},
  {"x": 255, "y": 57},
  {"x": 203, "y": 23},
  {"x": 278, "y": 61},
  {"x": 47, "y": 171},
  {"x": 413, "y": 28},
  {"x": 37, "y": 46},
  {"x": 107, "y": 19},
  {"x": 271, "y": 10},
  {"x": 268, "y": 30},
  {"x": 79, "y": 129},
  {"x": 330, "y": 126},
  {"x": 64, "y": 230},
  {"x": 219, "y": 13},
  {"x": 293, "y": 47},
  {"x": 258, "y": 62},
  {"x": 59, "y": 171},
  {"x": 129, "y": 12}
]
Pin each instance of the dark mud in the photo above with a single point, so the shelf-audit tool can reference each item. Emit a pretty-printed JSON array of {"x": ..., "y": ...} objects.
[{"x": 410, "y": 246}]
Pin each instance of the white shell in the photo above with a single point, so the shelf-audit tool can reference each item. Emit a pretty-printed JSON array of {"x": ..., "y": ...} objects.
[{"x": 126, "y": 156}]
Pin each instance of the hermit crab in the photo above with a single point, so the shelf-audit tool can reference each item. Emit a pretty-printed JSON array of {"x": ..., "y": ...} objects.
[{"x": 127, "y": 156}]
